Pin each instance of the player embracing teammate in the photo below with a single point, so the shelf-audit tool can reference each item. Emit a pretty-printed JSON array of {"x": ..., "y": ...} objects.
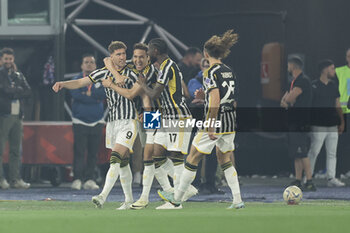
[{"x": 123, "y": 84}]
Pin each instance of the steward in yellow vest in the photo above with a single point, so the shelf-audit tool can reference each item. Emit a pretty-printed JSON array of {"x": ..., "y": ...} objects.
[{"x": 343, "y": 74}]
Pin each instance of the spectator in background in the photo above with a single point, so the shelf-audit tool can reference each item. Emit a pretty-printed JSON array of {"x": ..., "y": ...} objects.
[
  {"x": 190, "y": 63},
  {"x": 326, "y": 119},
  {"x": 196, "y": 83},
  {"x": 298, "y": 100},
  {"x": 88, "y": 122},
  {"x": 343, "y": 74},
  {"x": 13, "y": 89}
]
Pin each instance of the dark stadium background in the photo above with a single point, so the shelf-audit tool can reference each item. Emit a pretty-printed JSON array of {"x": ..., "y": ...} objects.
[{"x": 316, "y": 28}]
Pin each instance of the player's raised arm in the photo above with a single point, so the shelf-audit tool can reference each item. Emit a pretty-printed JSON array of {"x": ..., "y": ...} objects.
[
  {"x": 119, "y": 79},
  {"x": 71, "y": 84}
]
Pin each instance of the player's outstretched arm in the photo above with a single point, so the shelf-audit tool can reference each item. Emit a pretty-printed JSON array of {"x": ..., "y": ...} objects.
[{"x": 71, "y": 84}]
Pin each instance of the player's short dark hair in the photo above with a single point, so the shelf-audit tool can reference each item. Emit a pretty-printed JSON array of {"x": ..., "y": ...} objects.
[
  {"x": 87, "y": 55},
  {"x": 141, "y": 46},
  {"x": 347, "y": 50},
  {"x": 296, "y": 60},
  {"x": 192, "y": 51},
  {"x": 7, "y": 51},
  {"x": 160, "y": 45},
  {"x": 115, "y": 45},
  {"x": 324, "y": 64}
]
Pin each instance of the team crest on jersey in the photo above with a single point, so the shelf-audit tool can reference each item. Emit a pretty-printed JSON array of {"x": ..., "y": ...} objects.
[{"x": 208, "y": 82}]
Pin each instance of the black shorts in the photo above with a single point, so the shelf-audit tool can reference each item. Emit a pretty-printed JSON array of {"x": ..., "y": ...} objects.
[{"x": 298, "y": 144}]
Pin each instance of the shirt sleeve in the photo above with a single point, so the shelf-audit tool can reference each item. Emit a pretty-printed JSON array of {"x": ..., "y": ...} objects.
[
  {"x": 98, "y": 75},
  {"x": 165, "y": 75},
  {"x": 301, "y": 83},
  {"x": 209, "y": 81}
]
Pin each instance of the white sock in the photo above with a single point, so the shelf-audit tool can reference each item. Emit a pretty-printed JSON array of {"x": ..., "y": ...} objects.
[
  {"x": 126, "y": 182},
  {"x": 147, "y": 180},
  {"x": 162, "y": 179},
  {"x": 168, "y": 166},
  {"x": 232, "y": 181},
  {"x": 111, "y": 178},
  {"x": 177, "y": 175},
  {"x": 187, "y": 177}
]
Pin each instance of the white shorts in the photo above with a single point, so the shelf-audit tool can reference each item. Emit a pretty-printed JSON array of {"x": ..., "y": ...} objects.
[
  {"x": 121, "y": 132},
  {"x": 174, "y": 139},
  {"x": 150, "y": 135},
  {"x": 224, "y": 142}
]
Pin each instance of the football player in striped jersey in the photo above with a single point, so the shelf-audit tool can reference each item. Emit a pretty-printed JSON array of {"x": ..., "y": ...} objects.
[{"x": 219, "y": 85}]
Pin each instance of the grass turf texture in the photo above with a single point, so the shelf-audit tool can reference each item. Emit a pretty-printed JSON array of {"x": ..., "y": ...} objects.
[{"x": 58, "y": 216}]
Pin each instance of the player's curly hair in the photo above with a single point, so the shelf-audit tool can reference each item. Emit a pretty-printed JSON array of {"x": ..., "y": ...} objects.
[
  {"x": 219, "y": 46},
  {"x": 159, "y": 44}
]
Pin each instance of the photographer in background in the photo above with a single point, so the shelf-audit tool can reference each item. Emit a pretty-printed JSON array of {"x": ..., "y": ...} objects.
[{"x": 13, "y": 89}]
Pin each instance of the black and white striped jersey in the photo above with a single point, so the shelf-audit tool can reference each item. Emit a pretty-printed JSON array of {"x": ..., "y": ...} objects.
[
  {"x": 151, "y": 73},
  {"x": 222, "y": 77},
  {"x": 119, "y": 106},
  {"x": 173, "y": 102}
]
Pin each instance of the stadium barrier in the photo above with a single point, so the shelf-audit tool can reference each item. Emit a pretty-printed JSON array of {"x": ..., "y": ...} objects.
[{"x": 51, "y": 143}]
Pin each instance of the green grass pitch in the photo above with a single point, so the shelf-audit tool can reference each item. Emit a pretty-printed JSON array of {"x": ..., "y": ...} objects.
[{"x": 76, "y": 217}]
